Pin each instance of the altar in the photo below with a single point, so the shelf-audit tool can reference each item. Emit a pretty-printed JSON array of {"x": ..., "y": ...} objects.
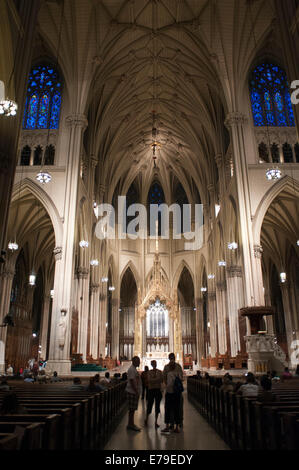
[{"x": 159, "y": 356}]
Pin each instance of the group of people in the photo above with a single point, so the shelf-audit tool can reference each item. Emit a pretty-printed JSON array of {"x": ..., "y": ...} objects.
[{"x": 150, "y": 384}]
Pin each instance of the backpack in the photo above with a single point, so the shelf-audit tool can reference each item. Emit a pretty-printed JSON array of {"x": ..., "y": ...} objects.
[{"x": 178, "y": 386}]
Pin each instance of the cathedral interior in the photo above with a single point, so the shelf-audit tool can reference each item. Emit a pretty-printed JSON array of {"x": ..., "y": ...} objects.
[{"x": 163, "y": 102}]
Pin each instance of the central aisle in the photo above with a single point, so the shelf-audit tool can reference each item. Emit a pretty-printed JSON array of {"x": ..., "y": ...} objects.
[{"x": 196, "y": 434}]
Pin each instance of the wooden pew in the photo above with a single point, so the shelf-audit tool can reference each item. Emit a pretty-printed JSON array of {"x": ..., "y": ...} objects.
[
  {"x": 8, "y": 441},
  {"x": 31, "y": 437},
  {"x": 49, "y": 430}
]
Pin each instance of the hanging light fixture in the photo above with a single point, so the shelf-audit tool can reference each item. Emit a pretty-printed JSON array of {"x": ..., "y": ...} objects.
[
  {"x": 43, "y": 177},
  {"x": 273, "y": 174},
  {"x": 94, "y": 262},
  {"x": 211, "y": 276},
  {"x": 84, "y": 244},
  {"x": 13, "y": 246},
  {"x": 8, "y": 107},
  {"x": 232, "y": 246}
]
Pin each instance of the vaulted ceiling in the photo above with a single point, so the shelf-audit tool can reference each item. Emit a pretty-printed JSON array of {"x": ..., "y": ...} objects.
[{"x": 178, "y": 66}]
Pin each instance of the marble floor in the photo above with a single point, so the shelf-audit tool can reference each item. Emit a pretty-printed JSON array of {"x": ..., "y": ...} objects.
[{"x": 196, "y": 434}]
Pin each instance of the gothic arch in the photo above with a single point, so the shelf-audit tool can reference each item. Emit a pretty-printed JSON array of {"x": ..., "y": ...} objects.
[
  {"x": 285, "y": 183},
  {"x": 130, "y": 265},
  {"x": 176, "y": 279},
  {"x": 45, "y": 200}
]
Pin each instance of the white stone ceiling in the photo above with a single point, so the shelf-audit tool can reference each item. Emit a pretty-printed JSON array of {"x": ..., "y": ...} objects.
[{"x": 185, "y": 60}]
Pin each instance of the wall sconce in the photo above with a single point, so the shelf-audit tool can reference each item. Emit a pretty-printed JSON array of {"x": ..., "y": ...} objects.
[
  {"x": 211, "y": 276},
  {"x": 283, "y": 277},
  {"x": 84, "y": 244},
  {"x": 32, "y": 279},
  {"x": 94, "y": 262},
  {"x": 52, "y": 293},
  {"x": 203, "y": 289},
  {"x": 112, "y": 288},
  {"x": 222, "y": 263},
  {"x": 105, "y": 279},
  {"x": 63, "y": 312}
]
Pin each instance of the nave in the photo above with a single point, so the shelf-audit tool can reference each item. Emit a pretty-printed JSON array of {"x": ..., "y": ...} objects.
[{"x": 197, "y": 434}]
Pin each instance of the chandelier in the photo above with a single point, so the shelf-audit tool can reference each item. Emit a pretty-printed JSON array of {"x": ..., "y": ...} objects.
[
  {"x": 13, "y": 246},
  {"x": 44, "y": 177},
  {"x": 8, "y": 107},
  {"x": 233, "y": 246},
  {"x": 273, "y": 174}
]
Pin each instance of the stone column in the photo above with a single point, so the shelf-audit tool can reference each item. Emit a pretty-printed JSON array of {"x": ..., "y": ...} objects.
[
  {"x": 213, "y": 323},
  {"x": 94, "y": 320},
  {"x": 287, "y": 315},
  {"x": 171, "y": 339},
  {"x": 221, "y": 316},
  {"x": 199, "y": 330},
  {"x": 102, "y": 319},
  {"x": 45, "y": 325},
  {"x": 82, "y": 305},
  {"x": 115, "y": 329},
  {"x": 6, "y": 284},
  {"x": 235, "y": 122},
  {"x": 235, "y": 302},
  {"x": 59, "y": 355}
]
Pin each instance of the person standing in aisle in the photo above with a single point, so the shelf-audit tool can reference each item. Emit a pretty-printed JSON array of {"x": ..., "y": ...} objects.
[{"x": 155, "y": 381}]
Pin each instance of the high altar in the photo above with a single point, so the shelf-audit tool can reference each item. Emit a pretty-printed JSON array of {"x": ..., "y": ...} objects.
[{"x": 157, "y": 321}]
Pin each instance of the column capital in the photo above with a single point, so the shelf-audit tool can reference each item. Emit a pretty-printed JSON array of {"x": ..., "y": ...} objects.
[
  {"x": 258, "y": 251},
  {"x": 94, "y": 161},
  {"x": 57, "y": 253},
  {"x": 94, "y": 288},
  {"x": 234, "y": 271},
  {"x": 219, "y": 159},
  {"x": 82, "y": 273},
  {"x": 235, "y": 119},
  {"x": 76, "y": 120},
  {"x": 8, "y": 273}
]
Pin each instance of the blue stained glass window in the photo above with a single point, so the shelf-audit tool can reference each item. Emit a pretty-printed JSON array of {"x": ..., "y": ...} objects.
[
  {"x": 270, "y": 97},
  {"x": 43, "y": 112},
  {"x": 55, "y": 111},
  {"x": 43, "y": 103},
  {"x": 32, "y": 112}
]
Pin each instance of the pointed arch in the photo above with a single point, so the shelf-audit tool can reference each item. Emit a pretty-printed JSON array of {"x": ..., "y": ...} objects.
[
  {"x": 176, "y": 278},
  {"x": 45, "y": 200},
  {"x": 130, "y": 265},
  {"x": 285, "y": 183}
]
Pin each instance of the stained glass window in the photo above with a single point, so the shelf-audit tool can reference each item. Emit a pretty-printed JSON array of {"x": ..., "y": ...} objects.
[
  {"x": 156, "y": 197},
  {"x": 43, "y": 102},
  {"x": 270, "y": 97}
]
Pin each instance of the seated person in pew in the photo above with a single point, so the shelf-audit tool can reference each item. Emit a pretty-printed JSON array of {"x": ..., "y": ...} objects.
[
  {"x": 4, "y": 385},
  {"x": 93, "y": 386},
  {"x": 251, "y": 388},
  {"x": 265, "y": 395},
  {"x": 55, "y": 378},
  {"x": 77, "y": 385},
  {"x": 227, "y": 385},
  {"x": 11, "y": 406},
  {"x": 28, "y": 378}
]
